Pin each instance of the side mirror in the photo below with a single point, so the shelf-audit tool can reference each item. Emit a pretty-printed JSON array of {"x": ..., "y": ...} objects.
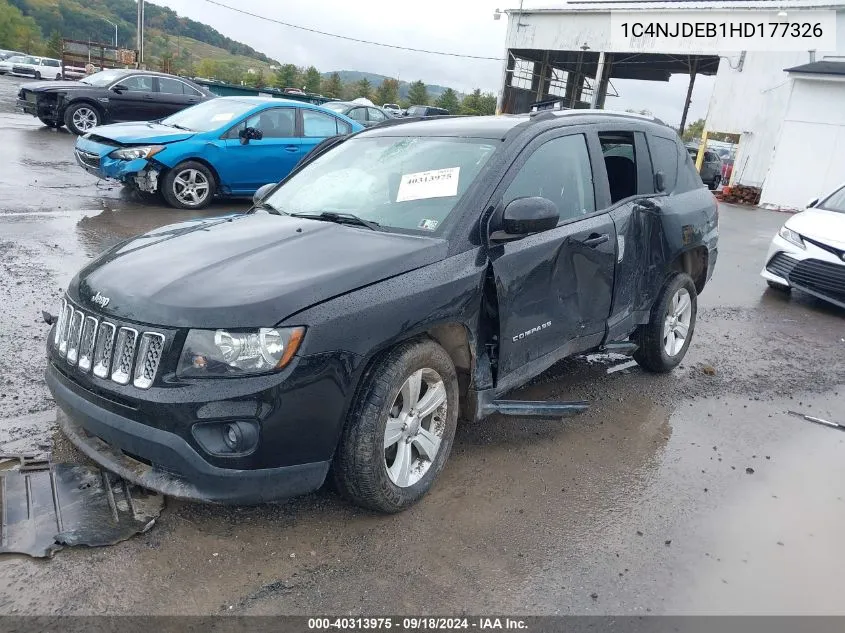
[
  {"x": 524, "y": 216},
  {"x": 660, "y": 182},
  {"x": 812, "y": 203},
  {"x": 118, "y": 88},
  {"x": 262, "y": 192},
  {"x": 250, "y": 134}
]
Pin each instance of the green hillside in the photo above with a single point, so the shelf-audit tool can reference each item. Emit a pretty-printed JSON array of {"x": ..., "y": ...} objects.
[{"x": 352, "y": 76}]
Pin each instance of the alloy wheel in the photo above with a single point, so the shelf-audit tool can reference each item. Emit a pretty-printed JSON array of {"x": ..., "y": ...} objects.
[
  {"x": 191, "y": 187},
  {"x": 677, "y": 322},
  {"x": 415, "y": 427},
  {"x": 84, "y": 119}
]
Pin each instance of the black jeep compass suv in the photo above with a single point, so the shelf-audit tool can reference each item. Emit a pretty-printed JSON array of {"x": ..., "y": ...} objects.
[{"x": 399, "y": 280}]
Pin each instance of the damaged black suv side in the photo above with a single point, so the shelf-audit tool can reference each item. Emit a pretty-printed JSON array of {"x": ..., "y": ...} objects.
[{"x": 399, "y": 280}]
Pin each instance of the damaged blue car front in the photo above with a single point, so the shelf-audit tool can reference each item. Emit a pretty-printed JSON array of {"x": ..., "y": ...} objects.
[{"x": 229, "y": 146}]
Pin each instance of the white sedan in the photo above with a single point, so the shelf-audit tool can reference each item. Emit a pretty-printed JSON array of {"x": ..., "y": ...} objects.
[{"x": 808, "y": 253}]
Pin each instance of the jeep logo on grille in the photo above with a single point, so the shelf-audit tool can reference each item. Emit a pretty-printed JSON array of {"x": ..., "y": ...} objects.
[{"x": 100, "y": 300}]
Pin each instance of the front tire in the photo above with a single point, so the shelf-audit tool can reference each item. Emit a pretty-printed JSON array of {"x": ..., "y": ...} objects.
[
  {"x": 189, "y": 185},
  {"x": 717, "y": 180},
  {"x": 38, "y": 75},
  {"x": 664, "y": 340},
  {"x": 50, "y": 123},
  {"x": 82, "y": 117},
  {"x": 400, "y": 428}
]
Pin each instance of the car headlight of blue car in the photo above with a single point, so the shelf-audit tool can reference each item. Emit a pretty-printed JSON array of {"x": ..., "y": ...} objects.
[{"x": 131, "y": 153}]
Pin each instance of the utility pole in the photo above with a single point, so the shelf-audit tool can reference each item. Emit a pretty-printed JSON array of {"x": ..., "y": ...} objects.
[
  {"x": 115, "y": 30},
  {"x": 139, "y": 38}
]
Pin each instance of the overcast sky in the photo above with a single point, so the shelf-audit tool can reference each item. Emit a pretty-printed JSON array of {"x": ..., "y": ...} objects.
[{"x": 458, "y": 26}]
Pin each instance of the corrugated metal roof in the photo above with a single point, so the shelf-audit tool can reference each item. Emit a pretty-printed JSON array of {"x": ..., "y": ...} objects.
[{"x": 601, "y": 6}]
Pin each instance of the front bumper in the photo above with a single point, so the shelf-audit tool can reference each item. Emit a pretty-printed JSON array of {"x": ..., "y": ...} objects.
[
  {"x": 175, "y": 468},
  {"x": 814, "y": 270}
]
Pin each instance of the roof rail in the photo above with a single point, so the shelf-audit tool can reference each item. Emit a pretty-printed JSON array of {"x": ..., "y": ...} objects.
[{"x": 543, "y": 115}]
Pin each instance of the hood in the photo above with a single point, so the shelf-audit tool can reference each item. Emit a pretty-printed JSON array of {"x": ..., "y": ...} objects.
[
  {"x": 56, "y": 86},
  {"x": 139, "y": 133},
  {"x": 250, "y": 270},
  {"x": 827, "y": 227}
]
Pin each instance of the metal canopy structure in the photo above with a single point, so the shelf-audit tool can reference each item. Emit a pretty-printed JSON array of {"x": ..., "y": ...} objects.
[{"x": 563, "y": 56}]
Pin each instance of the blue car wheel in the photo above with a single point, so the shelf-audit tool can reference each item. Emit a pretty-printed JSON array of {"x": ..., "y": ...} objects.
[{"x": 189, "y": 185}]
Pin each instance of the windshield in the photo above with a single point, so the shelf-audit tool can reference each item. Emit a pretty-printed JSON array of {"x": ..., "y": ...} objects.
[
  {"x": 420, "y": 110},
  {"x": 19, "y": 59},
  {"x": 337, "y": 107},
  {"x": 400, "y": 182},
  {"x": 103, "y": 78},
  {"x": 835, "y": 201},
  {"x": 209, "y": 115}
]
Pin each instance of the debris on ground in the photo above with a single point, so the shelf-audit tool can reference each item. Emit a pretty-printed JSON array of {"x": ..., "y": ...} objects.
[
  {"x": 740, "y": 194},
  {"x": 812, "y": 418},
  {"x": 708, "y": 370},
  {"x": 749, "y": 471},
  {"x": 48, "y": 507}
]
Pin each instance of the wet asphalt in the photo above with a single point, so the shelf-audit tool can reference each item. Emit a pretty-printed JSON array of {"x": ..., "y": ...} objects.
[{"x": 694, "y": 492}]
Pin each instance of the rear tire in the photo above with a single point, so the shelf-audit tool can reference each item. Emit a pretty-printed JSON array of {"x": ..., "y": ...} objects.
[
  {"x": 779, "y": 287},
  {"x": 189, "y": 185},
  {"x": 717, "y": 180},
  {"x": 392, "y": 447},
  {"x": 664, "y": 340},
  {"x": 82, "y": 117}
]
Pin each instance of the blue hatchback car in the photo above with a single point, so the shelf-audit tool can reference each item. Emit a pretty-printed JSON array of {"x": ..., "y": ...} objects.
[{"x": 228, "y": 146}]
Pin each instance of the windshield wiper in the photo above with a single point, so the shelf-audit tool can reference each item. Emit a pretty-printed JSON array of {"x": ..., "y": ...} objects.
[
  {"x": 181, "y": 127},
  {"x": 340, "y": 218}
]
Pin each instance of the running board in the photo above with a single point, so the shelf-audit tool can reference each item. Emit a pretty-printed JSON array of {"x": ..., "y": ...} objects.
[
  {"x": 623, "y": 347},
  {"x": 536, "y": 409}
]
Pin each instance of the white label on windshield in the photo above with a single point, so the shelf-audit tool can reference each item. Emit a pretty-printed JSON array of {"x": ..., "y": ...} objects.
[
  {"x": 437, "y": 183},
  {"x": 223, "y": 116}
]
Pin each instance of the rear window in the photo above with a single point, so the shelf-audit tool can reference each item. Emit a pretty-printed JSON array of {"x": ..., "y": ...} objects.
[
  {"x": 664, "y": 157},
  {"x": 688, "y": 178}
]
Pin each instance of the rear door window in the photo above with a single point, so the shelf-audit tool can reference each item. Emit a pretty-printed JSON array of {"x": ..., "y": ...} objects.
[{"x": 317, "y": 124}]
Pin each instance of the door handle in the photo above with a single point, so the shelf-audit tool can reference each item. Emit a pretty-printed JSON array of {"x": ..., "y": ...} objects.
[
  {"x": 595, "y": 239},
  {"x": 291, "y": 148}
]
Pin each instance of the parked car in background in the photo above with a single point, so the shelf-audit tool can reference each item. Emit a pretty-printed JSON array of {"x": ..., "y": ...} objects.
[
  {"x": 392, "y": 109},
  {"x": 6, "y": 54},
  {"x": 228, "y": 146},
  {"x": 366, "y": 115},
  {"x": 808, "y": 253},
  {"x": 419, "y": 110},
  {"x": 109, "y": 96},
  {"x": 39, "y": 68},
  {"x": 7, "y": 64},
  {"x": 403, "y": 278},
  {"x": 711, "y": 168}
]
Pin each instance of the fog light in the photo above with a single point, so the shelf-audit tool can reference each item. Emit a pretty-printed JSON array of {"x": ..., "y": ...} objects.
[
  {"x": 233, "y": 437},
  {"x": 226, "y": 438}
]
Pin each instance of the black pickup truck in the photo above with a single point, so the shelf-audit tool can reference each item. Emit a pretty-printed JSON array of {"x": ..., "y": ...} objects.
[{"x": 401, "y": 279}]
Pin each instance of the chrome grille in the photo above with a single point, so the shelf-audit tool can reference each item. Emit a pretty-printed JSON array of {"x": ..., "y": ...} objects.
[
  {"x": 149, "y": 355},
  {"x": 59, "y": 324},
  {"x": 74, "y": 332},
  {"x": 124, "y": 354},
  {"x": 86, "y": 343},
  {"x": 113, "y": 352},
  {"x": 103, "y": 349},
  {"x": 67, "y": 313}
]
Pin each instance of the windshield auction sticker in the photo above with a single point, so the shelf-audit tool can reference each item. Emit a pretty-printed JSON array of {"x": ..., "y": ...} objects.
[
  {"x": 723, "y": 31},
  {"x": 437, "y": 183}
]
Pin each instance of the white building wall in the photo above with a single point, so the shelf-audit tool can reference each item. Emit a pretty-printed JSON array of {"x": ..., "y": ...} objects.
[
  {"x": 809, "y": 160},
  {"x": 752, "y": 103}
]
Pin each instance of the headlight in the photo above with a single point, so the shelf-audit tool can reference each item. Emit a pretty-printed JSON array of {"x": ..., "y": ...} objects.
[
  {"x": 209, "y": 353},
  {"x": 791, "y": 236},
  {"x": 131, "y": 153}
]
